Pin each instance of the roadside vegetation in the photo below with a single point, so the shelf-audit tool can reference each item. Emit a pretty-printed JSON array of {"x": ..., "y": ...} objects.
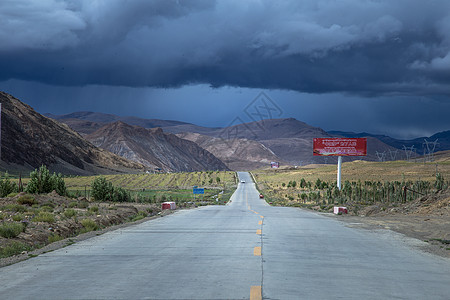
[
  {"x": 387, "y": 185},
  {"x": 46, "y": 208}
]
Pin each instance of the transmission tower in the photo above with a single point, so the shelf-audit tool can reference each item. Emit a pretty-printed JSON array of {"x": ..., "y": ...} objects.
[
  {"x": 393, "y": 154},
  {"x": 408, "y": 152},
  {"x": 381, "y": 156},
  {"x": 429, "y": 148}
]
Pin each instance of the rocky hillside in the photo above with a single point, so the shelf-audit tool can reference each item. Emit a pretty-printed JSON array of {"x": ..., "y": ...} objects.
[
  {"x": 29, "y": 139},
  {"x": 237, "y": 154},
  {"x": 154, "y": 148}
]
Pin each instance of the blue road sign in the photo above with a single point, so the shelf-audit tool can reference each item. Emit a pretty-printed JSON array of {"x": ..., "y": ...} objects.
[{"x": 199, "y": 191}]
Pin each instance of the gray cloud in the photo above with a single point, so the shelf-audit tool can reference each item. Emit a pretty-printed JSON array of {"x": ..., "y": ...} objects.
[{"x": 361, "y": 47}]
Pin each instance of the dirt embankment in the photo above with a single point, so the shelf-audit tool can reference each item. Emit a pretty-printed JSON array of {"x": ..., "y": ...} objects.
[
  {"x": 51, "y": 221},
  {"x": 427, "y": 219}
]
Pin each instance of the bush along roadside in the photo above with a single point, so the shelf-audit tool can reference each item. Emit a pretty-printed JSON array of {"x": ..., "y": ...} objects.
[
  {"x": 323, "y": 195},
  {"x": 31, "y": 221}
]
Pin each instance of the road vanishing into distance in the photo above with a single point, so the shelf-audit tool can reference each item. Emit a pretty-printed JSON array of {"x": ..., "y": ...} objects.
[{"x": 245, "y": 250}]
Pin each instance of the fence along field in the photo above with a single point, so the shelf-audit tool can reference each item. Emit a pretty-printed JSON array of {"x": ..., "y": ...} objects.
[{"x": 364, "y": 183}]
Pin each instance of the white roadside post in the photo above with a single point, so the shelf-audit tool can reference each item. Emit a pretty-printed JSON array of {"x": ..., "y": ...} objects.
[{"x": 339, "y": 172}]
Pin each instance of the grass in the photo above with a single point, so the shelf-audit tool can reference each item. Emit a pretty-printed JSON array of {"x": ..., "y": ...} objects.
[
  {"x": 363, "y": 183},
  {"x": 139, "y": 216},
  {"x": 54, "y": 238},
  {"x": 45, "y": 216},
  {"x": 11, "y": 230},
  {"x": 93, "y": 209},
  {"x": 180, "y": 180},
  {"x": 70, "y": 213},
  {"x": 18, "y": 217},
  {"x": 14, "y": 207},
  {"x": 89, "y": 225},
  {"x": 13, "y": 248},
  {"x": 357, "y": 170},
  {"x": 27, "y": 200}
]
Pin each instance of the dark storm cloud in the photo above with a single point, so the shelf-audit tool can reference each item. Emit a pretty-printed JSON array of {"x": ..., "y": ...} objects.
[{"x": 360, "y": 47}]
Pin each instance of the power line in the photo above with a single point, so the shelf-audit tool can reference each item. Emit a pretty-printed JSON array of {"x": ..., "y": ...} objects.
[
  {"x": 393, "y": 154},
  {"x": 429, "y": 148},
  {"x": 408, "y": 152},
  {"x": 381, "y": 156}
]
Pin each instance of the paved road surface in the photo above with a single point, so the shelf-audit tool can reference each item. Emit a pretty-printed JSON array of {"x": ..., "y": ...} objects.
[{"x": 244, "y": 250}]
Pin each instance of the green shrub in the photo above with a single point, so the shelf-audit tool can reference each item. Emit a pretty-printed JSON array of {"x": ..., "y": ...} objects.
[
  {"x": 17, "y": 218},
  {"x": 70, "y": 213},
  {"x": 7, "y": 187},
  {"x": 89, "y": 225},
  {"x": 11, "y": 229},
  {"x": 44, "y": 216},
  {"x": 42, "y": 182},
  {"x": 83, "y": 204},
  {"x": 54, "y": 238},
  {"x": 15, "y": 207},
  {"x": 120, "y": 195},
  {"x": 139, "y": 216},
  {"x": 101, "y": 189},
  {"x": 11, "y": 195},
  {"x": 93, "y": 209},
  {"x": 47, "y": 208},
  {"x": 27, "y": 200},
  {"x": 73, "y": 204},
  {"x": 13, "y": 248}
]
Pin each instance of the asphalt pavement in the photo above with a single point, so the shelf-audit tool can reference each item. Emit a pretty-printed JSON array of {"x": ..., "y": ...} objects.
[{"x": 244, "y": 250}]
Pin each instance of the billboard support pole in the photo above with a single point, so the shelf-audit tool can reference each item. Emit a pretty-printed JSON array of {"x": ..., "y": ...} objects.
[{"x": 339, "y": 172}]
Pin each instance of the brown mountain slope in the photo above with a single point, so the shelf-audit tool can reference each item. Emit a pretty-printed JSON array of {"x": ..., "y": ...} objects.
[
  {"x": 29, "y": 140},
  {"x": 237, "y": 154},
  {"x": 154, "y": 148}
]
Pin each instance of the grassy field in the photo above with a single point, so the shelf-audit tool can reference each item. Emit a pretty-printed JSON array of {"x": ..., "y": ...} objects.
[
  {"x": 157, "y": 188},
  {"x": 357, "y": 170},
  {"x": 361, "y": 180}
]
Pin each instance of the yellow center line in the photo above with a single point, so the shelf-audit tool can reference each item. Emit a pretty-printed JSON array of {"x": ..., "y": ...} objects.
[
  {"x": 255, "y": 293},
  {"x": 262, "y": 217},
  {"x": 257, "y": 251},
  {"x": 260, "y": 223},
  {"x": 258, "y": 231}
]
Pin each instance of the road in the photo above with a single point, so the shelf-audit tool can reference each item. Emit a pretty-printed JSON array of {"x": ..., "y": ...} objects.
[{"x": 245, "y": 250}]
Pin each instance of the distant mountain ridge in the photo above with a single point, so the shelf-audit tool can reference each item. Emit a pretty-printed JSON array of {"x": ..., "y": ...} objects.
[
  {"x": 154, "y": 148},
  {"x": 443, "y": 139},
  {"x": 287, "y": 140}
]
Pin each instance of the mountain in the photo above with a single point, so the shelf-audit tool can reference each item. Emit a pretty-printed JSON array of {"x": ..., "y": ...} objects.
[
  {"x": 29, "y": 139},
  {"x": 237, "y": 154},
  {"x": 443, "y": 140},
  {"x": 86, "y": 122},
  {"x": 290, "y": 140},
  {"x": 154, "y": 148},
  {"x": 270, "y": 129},
  {"x": 109, "y": 118}
]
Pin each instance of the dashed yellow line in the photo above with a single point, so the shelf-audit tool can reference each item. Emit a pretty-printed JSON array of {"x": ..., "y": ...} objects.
[
  {"x": 258, "y": 231},
  {"x": 260, "y": 223},
  {"x": 262, "y": 217},
  {"x": 257, "y": 251},
  {"x": 255, "y": 293}
]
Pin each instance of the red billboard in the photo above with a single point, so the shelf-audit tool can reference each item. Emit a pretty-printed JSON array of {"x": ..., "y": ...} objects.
[{"x": 340, "y": 147}]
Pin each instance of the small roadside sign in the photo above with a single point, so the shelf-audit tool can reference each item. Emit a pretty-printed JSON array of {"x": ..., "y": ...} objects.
[{"x": 198, "y": 191}]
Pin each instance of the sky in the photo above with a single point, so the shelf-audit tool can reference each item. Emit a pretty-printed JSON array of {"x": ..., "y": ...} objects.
[{"x": 378, "y": 66}]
